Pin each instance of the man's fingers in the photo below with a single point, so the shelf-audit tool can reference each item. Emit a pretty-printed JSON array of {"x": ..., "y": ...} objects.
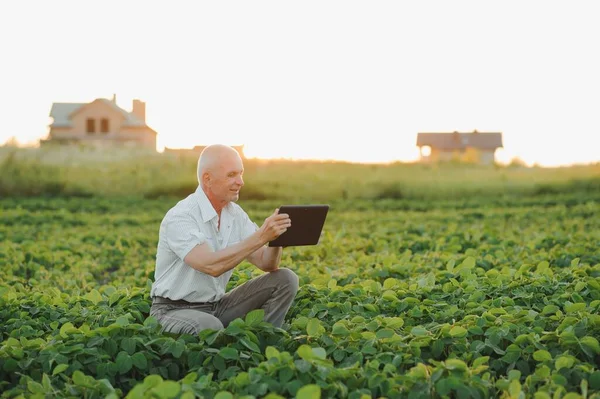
[
  {"x": 283, "y": 223},
  {"x": 281, "y": 216}
]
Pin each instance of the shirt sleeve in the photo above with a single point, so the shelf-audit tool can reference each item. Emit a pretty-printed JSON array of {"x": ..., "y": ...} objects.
[
  {"x": 248, "y": 227},
  {"x": 183, "y": 234}
]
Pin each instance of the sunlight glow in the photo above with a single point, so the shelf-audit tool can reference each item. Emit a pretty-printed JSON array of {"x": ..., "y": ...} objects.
[{"x": 298, "y": 82}]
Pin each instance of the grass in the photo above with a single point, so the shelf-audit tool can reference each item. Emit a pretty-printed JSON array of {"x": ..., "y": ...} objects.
[{"x": 114, "y": 173}]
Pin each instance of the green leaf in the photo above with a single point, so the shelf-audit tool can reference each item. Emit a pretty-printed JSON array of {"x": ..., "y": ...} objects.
[
  {"x": 332, "y": 284},
  {"x": 94, "y": 296},
  {"x": 543, "y": 372},
  {"x": 563, "y": 362},
  {"x": 418, "y": 331},
  {"x": 559, "y": 379},
  {"x": 60, "y": 368},
  {"x": 513, "y": 353},
  {"x": 458, "y": 331},
  {"x": 223, "y": 395},
  {"x": 475, "y": 330},
  {"x": 305, "y": 352},
  {"x": 128, "y": 345},
  {"x": 480, "y": 361},
  {"x": 139, "y": 361},
  {"x": 384, "y": 333},
  {"x": 66, "y": 329},
  {"x": 78, "y": 378},
  {"x": 590, "y": 345},
  {"x": 543, "y": 266},
  {"x": 122, "y": 321},
  {"x": 10, "y": 365},
  {"x": 167, "y": 389},
  {"x": 242, "y": 379},
  {"x": 574, "y": 307},
  {"x": 549, "y": 309},
  {"x": 468, "y": 263},
  {"x": 389, "y": 295},
  {"x": 46, "y": 383},
  {"x": 514, "y": 375},
  {"x": 394, "y": 322},
  {"x": 443, "y": 387},
  {"x": 514, "y": 388},
  {"x": 389, "y": 283},
  {"x": 229, "y": 353},
  {"x": 542, "y": 355},
  {"x": 450, "y": 265},
  {"x": 311, "y": 391},
  {"x": 177, "y": 348},
  {"x": 339, "y": 329},
  {"x": 124, "y": 362},
  {"x": 285, "y": 374},
  {"x": 319, "y": 353},
  {"x": 594, "y": 380},
  {"x": 152, "y": 380},
  {"x": 114, "y": 297},
  {"x": 455, "y": 364},
  {"x": 313, "y": 327},
  {"x": 35, "y": 387},
  {"x": 437, "y": 348},
  {"x": 271, "y": 351},
  {"x": 250, "y": 345},
  {"x": 255, "y": 317}
]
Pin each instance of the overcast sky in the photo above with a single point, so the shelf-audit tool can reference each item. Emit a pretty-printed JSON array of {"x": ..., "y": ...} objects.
[{"x": 315, "y": 79}]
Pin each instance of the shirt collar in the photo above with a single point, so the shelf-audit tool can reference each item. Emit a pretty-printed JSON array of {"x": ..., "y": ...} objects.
[{"x": 206, "y": 209}]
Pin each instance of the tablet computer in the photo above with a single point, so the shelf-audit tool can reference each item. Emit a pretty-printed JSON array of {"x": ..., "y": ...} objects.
[{"x": 307, "y": 224}]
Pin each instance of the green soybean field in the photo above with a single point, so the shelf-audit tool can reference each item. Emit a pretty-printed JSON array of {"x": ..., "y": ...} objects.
[{"x": 405, "y": 296}]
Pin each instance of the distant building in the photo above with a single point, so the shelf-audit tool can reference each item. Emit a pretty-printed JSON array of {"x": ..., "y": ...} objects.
[
  {"x": 197, "y": 150},
  {"x": 475, "y": 147},
  {"x": 101, "y": 123}
]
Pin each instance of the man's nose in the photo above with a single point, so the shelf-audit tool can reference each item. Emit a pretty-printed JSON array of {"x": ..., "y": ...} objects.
[{"x": 240, "y": 181}]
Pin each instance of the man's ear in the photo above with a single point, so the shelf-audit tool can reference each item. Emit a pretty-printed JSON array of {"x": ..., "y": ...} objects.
[{"x": 206, "y": 178}]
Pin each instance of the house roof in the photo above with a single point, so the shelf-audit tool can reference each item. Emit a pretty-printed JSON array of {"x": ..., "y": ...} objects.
[
  {"x": 61, "y": 113},
  {"x": 457, "y": 141}
]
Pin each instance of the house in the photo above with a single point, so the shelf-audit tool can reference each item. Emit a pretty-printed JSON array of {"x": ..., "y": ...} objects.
[
  {"x": 474, "y": 147},
  {"x": 100, "y": 123},
  {"x": 197, "y": 150}
]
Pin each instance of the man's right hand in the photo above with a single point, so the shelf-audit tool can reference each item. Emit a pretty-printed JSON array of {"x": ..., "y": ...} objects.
[{"x": 274, "y": 226}]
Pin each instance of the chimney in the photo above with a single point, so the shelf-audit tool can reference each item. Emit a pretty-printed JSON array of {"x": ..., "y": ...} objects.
[
  {"x": 139, "y": 110},
  {"x": 114, "y": 99}
]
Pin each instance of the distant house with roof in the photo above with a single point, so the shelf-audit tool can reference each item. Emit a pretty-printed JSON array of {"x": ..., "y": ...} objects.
[
  {"x": 101, "y": 123},
  {"x": 197, "y": 150},
  {"x": 474, "y": 147}
]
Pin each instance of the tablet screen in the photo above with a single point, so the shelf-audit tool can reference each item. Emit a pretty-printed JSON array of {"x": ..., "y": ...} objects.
[{"x": 307, "y": 224}]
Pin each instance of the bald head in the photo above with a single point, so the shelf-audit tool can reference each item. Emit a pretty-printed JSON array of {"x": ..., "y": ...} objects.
[{"x": 213, "y": 157}]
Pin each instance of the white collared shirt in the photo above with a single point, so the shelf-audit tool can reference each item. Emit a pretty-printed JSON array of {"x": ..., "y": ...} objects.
[{"x": 193, "y": 221}]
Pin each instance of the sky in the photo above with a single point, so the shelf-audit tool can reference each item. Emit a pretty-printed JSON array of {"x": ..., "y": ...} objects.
[{"x": 338, "y": 80}]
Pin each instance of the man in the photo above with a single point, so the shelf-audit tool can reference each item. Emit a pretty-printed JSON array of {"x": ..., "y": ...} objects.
[{"x": 202, "y": 239}]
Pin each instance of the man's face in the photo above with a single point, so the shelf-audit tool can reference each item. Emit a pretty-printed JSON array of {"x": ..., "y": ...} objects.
[{"x": 226, "y": 179}]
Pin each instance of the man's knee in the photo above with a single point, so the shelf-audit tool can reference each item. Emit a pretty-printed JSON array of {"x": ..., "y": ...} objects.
[
  {"x": 209, "y": 323},
  {"x": 190, "y": 323},
  {"x": 288, "y": 278}
]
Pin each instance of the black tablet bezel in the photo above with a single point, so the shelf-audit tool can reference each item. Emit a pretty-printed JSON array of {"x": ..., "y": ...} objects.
[{"x": 301, "y": 216}]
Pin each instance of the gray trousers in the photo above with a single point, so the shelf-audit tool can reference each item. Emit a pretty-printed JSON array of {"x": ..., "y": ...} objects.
[{"x": 273, "y": 292}]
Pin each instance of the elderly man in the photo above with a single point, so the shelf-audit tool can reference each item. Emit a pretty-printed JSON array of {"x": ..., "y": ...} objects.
[{"x": 202, "y": 239}]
